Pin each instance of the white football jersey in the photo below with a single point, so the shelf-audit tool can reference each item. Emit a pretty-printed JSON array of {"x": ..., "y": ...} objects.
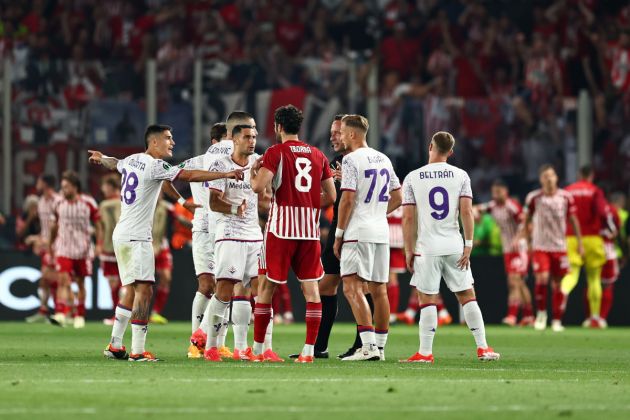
[
  {"x": 216, "y": 151},
  {"x": 370, "y": 174},
  {"x": 435, "y": 190},
  {"x": 141, "y": 183},
  {"x": 230, "y": 226},
  {"x": 200, "y": 195}
]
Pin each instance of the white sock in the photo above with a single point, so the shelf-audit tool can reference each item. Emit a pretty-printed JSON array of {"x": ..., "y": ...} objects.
[
  {"x": 268, "y": 334},
  {"x": 206, "y": 319},
  {"x": 368, "y": 337},
  {"x": 241, "y": 314},
  {"x": 427, "y": 326},
  {"x": 308, "y": 350},
  {"x": 138, "y": 337},
  {"x": 474, "y": 320},
  {"x": 224, "y": 328},
  {"x": 199, "y": 305},
  {"x": 381, "y": 338},
  {"x": 122, "y": 317},
  {"x": 216, "y": 309},
  {"x": 258, "y": 348}
]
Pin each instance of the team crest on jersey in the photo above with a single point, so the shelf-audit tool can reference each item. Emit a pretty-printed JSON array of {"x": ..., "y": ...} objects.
[
  {"x": 166, "y": 166},
  {"x": 232, "y": 270},
  {"x": 182, "y": 165}
]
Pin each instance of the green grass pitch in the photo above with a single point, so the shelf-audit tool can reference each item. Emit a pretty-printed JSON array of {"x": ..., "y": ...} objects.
[{"x": 46, "y": 372}]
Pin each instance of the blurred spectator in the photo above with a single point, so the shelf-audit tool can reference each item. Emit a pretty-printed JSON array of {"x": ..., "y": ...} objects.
[{"x": 27, "y": 225}]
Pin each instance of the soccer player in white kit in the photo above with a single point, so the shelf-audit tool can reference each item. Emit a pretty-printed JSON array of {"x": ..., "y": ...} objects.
[
  {"x": 433, "y": 198},
  {"x": 142, "y": 177},
  {"x": 371, "y": 190}
]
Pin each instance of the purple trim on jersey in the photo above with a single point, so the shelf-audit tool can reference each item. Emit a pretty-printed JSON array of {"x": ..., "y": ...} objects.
[
  {"x": 409, "y": 204},
  {"x": 348, "y": 189},
  {"x": 349, "y": 242},
  {"x": 396, "y": 189},
  {"x": 239, "y": 298},
  {"x": 216, "y": 189},
  {"x": 427, "y": 305},
  {"x": 465, "y": 196}
]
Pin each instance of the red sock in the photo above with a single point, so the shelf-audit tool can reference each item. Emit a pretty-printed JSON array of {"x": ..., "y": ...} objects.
[
  {"x": 540, "y": 294},
  {"x": 413, "y": 304},
  {"x": 558, "y": 303},
  {"x": 81, "y": 309},
  {"x": 262, "y": 316},
  {"x": 43, "y": 310},
  {"x": 527, "y": 310},
  {"x": 585, "y": 302},
  {"x": 393, "y": 295},
  {"x": 115, "y": 295},
  {"x": 513, "y": 309},
  {"x": 60, "y": 307},
  {"x": 161, "y": 296},
  {"x": 607, "y": 301},
  {"x": 285, "y": 295},
  {"x": 313, "y": 319}
]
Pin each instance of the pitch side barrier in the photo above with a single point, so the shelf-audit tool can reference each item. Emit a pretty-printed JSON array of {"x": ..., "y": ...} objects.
[{"x": 19, "y": 273}]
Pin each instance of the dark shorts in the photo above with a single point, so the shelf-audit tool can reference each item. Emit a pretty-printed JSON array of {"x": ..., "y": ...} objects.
[{"x": 329, "y": 261}]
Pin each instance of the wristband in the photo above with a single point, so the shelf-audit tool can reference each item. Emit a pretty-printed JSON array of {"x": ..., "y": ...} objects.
[
  {"x": 468, "y": 243},
  {"x": 339, "y": 233},
  {"x": 181, "y": 201},
  {"x": 234, "y": 209}
]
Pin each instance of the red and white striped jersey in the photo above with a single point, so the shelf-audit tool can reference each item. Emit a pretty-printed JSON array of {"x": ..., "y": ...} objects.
[
  {"x": 550, "y": 214},
  {"x": 508, "y": 217},
  {"x": 46, "y": 212},
  {"x": 74, "y": 230},
  {"x": 396, "y": 239},
  {"x": 298, "y": 170}
]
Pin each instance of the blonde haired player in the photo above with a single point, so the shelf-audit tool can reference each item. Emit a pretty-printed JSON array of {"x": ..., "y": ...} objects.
[
  {"x": 434, "y": 196},
  {"x": 371, "y": 190}
]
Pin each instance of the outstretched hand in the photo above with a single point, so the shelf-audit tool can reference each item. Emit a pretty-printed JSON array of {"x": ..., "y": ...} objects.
[
  {"x": 95, "y": 157},
  {"x": 191, "y": 206}
]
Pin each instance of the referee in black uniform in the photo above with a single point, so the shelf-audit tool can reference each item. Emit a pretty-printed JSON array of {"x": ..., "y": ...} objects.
[{"x": 329, "y": 285}]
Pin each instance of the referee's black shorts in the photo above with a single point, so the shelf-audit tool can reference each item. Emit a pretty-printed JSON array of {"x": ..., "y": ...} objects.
[{"x": 329, "y": 261}]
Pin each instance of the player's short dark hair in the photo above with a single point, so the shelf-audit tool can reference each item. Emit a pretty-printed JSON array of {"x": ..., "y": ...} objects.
[
  {"x": 290, "y": 118},
  {"x": 358, "y": 122},
  {"x": 499, "y": 182},
  {"x": 444, "y": 141},
  {"x": 586, "y": 171},
  {"x": 545, "y": 168},
  {"x": 236, "y": 118},
  {"x": 339, "y": 117},
  {"x": 112, "y": 180},
  {"x": 72, "y": 177},
  {"x": 49, "y": 180},
  {"x": 238, "y": 128},
  {"x": 218, "y": 131},
  {"x": 154, "y": 129}
]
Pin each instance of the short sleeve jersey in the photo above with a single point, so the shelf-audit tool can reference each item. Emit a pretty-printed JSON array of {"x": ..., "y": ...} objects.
[
  {"x": 508, "y": 217},
  {"x": 298, "y": 171},
  {"x": 435, "y": 190},
  {"x": 230, "y": 226},
  {"x": 74, "y": 229},
  {"x": 370, "y": 174},
  {"x": 549, "y": 214},
  {"x": 142, "y": 178}
]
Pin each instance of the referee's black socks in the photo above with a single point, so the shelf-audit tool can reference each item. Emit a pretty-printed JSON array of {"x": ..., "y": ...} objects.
[{"x": 329, "y": 314}]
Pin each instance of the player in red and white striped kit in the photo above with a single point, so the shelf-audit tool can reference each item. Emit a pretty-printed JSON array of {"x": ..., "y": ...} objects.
[
  {"x": 549, "y": 209},
  {"x": 302, "y": 183},
  {"x": 508, "y": 215},
  {"x": 71, "y": 236},
  {"x": 45, "y": 207}
]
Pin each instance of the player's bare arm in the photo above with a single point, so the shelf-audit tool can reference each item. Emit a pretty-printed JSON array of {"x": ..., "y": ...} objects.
[
  {"x": 260, "y": 178},
  {"x": 196, "y": 175},
  {"x": 329, "y": 193},
  {"x": 395, "y": 200},
  {"x": 346, "y": 206},
  {"x": 578, "y": 234},
  {"x": 169, "y": 189},
  {"x": 410, "y": 233},
  {"x": 219, "y": 205},
  {"x": 99, "y": 158},
  {"x": 468, "y": 223},
  {"x": 264, "y": 200},
  {"x": 54, "y": 228}
]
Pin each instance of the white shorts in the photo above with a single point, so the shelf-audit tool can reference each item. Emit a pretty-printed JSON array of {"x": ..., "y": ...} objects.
[
  {"x": 136, "y": 261},
  {"x": 429, "y": 270},
  {"x": 236, "y": 260},
  {"x": 203, "y": 252},
  {"x": 367, "y": 260}
]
